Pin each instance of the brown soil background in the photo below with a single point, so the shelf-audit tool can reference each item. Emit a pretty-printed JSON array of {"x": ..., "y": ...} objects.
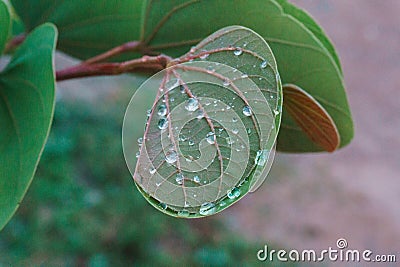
[{"x": 309, "y": 201}]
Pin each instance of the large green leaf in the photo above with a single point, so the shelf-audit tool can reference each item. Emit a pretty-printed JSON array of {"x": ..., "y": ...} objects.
[
  {"x": 86, "y": 27},
  {"x": 26, "y": 109},
  {"x": 212, "y": 127},
  {"x": 305, "y": 56},
  {"x": 5, "y": 24}
]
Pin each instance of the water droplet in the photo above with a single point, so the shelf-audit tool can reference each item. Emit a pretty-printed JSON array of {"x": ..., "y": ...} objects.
[
  {"x": 148, "y": 112},
  {"x": 238, "y": 51},
  {"x": 191, "y": 142},
  {"x": 183, "y": 213},
  {"x": 249, "y": 130},
  {"x": 140, "y": 141},
  {"x": 137, "y": 154},
  {"x": 182, "y": 138},
  {"x": 163, "y": 124},
  {"x": 192, "y": 104},
  {"x": 276, "y": 112},
  {"x": 162, "y": 110},
  {"x": 226, "y": 82},
  {"x": 222, "y": 203},
  {"x": 210, "y": 69},
  {"x": 179, "y": 178},
  {"x": 207, "y": 208},
  {"x": 264, "y": 64},
  {"x": 235, "y": 131},
  {"x": 229, "y": 141},
  {"x": 244, "y": 76},
  {"x": 228, "y": 107},
  {"x": 261, "y": 157},
  {"x": 152, "y": 170},
  {"x": 196, "y": 179},
  {"x": 210, "y": 138},
  {"x": 234, "y": 119},
  {"x": 234, "y": 193},
  {"x": 247, "y": 111},
  {"x": 204, "y": 56},
  {"x": 182, "y": 89},
  {"x": 163, "y": 206},
  {"x": 200, "y": 114},
  {"x": 192, "y": 49},
  {"x": 271, "y": 96},
  {"x": 172, "y": 99},
  {"x": 171, "y": 157}
]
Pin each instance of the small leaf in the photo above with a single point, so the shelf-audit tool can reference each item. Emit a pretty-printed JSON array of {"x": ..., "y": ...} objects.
[
  {"x": 212, "y": 126},
  {"x": 26, "y": 110},
  {"x": 311, "y": 117}
]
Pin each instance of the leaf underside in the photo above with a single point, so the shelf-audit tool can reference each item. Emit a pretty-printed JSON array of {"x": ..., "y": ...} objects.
[
  {"x": 220, "y": 153},
  {"x": 311, "y": 117},
  {"x": 305, "y": 56},
  {"x": 26, "y": 110}
]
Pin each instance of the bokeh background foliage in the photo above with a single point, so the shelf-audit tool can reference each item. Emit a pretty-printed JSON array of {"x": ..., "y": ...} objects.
[{"x": 83, "y": 208}]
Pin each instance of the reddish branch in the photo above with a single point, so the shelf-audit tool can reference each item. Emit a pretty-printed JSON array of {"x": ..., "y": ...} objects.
[{"x": 143, "y": 64}]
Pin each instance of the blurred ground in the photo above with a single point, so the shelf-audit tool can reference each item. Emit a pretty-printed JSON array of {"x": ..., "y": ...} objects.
[{"x": 311, "y": 201}]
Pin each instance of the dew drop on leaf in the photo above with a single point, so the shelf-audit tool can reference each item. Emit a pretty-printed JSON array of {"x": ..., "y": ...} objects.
[
  {"x": 163, "y": 124},
  {"x": 152, "y": 170},
  {"x": 238, "y": 52},
  {"x": 207, "y": 208},
  {"x": 210, "y": 138},
  {"x": 163, "y": 206},
  {"x": 264, "y": 64},
  {"x": 179, "y": 178},
  {"x": 140, "y": 141},
  {"x": 234, "y": 193},
  {"x": 204, "y": 56},
  {"x": 183, "y": 213},
  {"x": 196, "y": 179},
  {"x": 192, "y": 104},
  {"x": 200, "y": 114},
  {"x": 171, "y": 157},
  {"x": 162, "y": 110},
  {"x": 247, "y": 111}
]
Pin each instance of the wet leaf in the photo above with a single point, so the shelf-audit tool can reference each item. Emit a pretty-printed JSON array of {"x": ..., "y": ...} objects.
[
  {"x": 26, "y": 111},
  {"x": 304, "y": 53},
  {"x": 212, "y": 126},
  {"x": 311, "y": 117}
]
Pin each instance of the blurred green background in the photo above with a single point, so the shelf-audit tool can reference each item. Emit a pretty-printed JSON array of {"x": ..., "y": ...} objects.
[{"x": 83, "y": 208}]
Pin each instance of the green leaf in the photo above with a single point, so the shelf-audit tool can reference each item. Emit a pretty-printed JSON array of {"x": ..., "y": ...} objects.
[
  {"x": 311, "y": 25},
  {"x": 88, "y": 27},
  {"x": 305, "y": 55},
  {"x": 5, "y": 24},
  {"x": 212, "y": 127},
  {"x": 26, "y": 110}
]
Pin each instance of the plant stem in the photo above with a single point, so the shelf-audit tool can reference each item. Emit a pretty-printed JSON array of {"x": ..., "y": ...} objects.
[{"x": 143, "y": 64}]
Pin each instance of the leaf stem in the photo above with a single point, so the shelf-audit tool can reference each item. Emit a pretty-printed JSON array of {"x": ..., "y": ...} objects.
[
  {"x": 124, "y": 48},
  {"x": 143, "y": 64}
]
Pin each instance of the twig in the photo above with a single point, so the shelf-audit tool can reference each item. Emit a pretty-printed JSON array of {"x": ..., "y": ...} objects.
[{"x": 143, "y": 64}]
